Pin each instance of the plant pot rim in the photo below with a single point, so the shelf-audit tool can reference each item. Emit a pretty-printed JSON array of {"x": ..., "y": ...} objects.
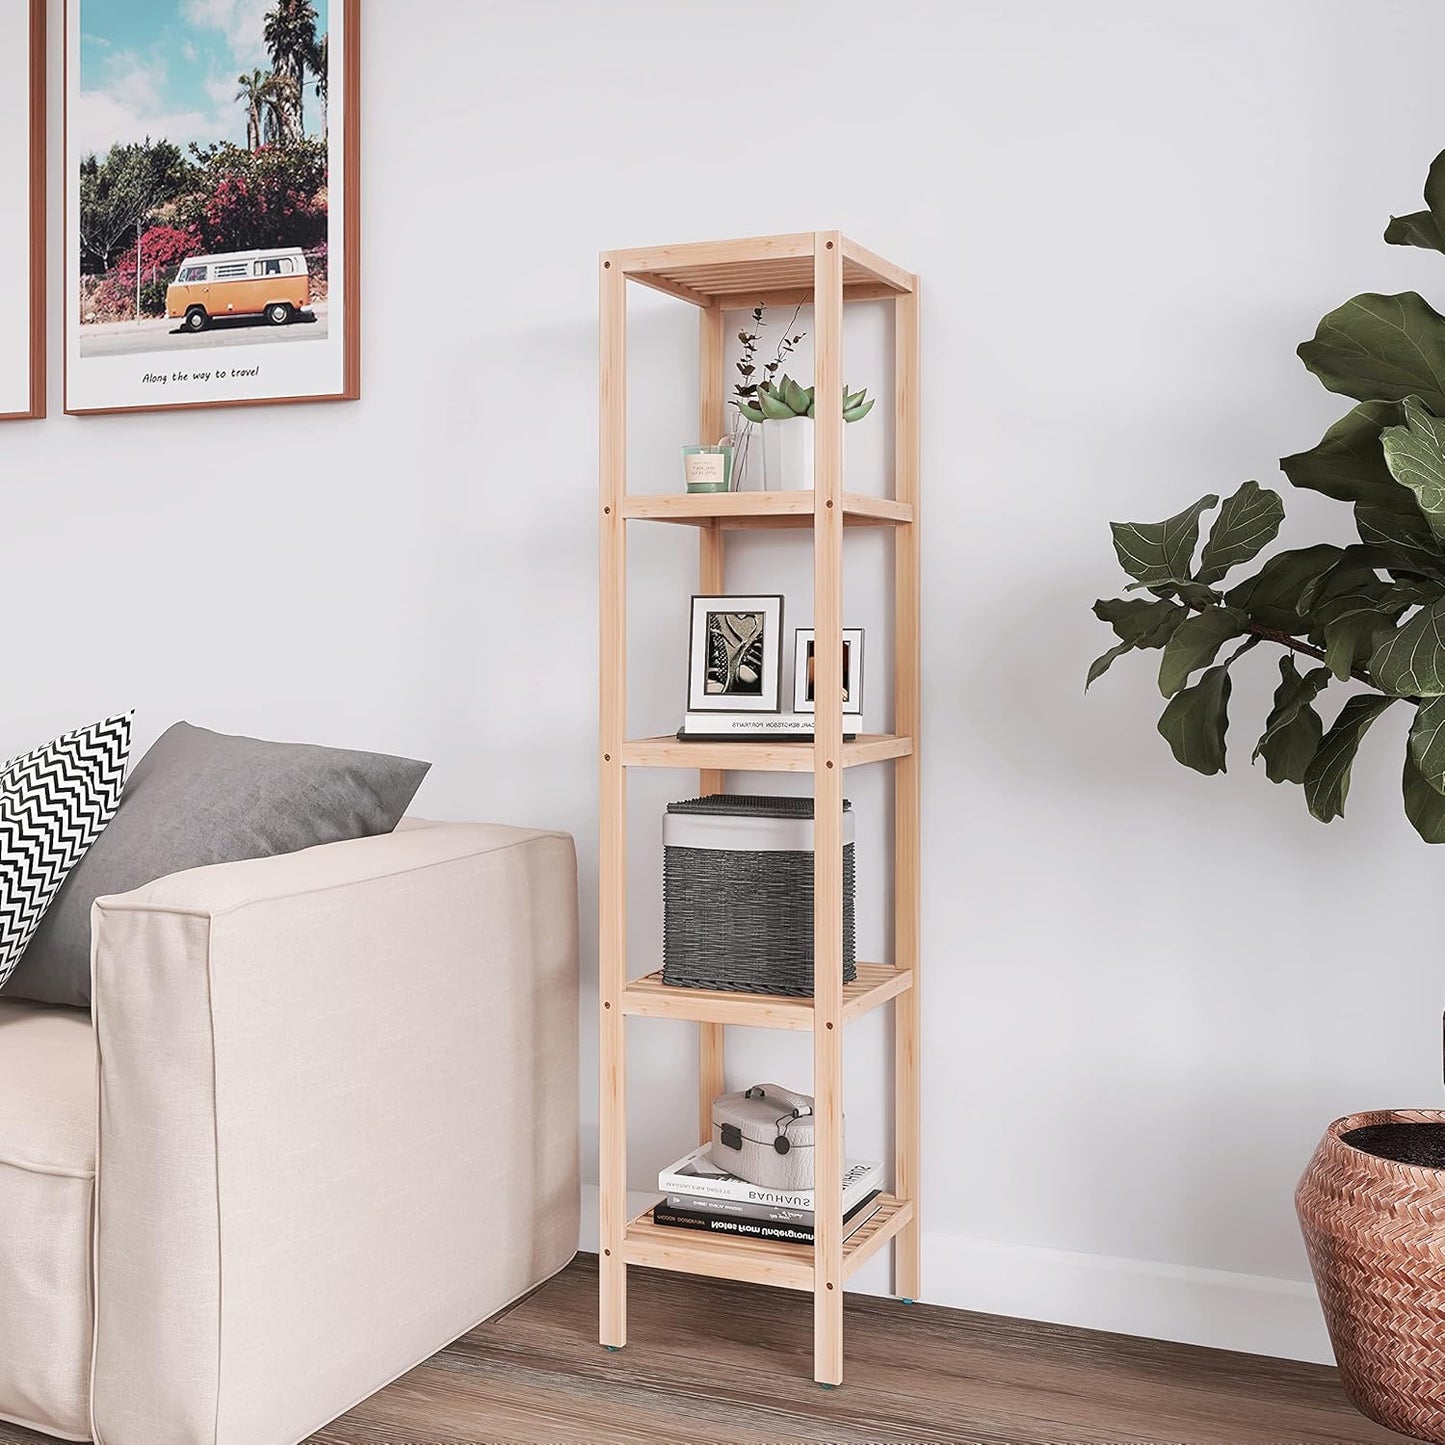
[{"x": 1335, "y": 1140}]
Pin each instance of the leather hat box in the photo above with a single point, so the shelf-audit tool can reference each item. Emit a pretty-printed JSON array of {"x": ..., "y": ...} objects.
[{"x": 765, "y": 1135}]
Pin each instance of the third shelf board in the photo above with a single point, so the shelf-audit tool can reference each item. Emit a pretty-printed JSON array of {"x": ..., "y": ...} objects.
[
  {"x": 649, "y": 997},
  {"x": 760, "y": 509}
]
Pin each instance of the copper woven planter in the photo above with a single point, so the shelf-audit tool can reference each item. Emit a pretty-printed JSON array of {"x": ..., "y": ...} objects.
[{"x": 1375, "y": 1231}]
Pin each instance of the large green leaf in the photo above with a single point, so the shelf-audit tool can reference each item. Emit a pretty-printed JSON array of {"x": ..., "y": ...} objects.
[
  {"x": 1349, "y": 625},
  {"x": 1101, "y": 664},
  {"x": 1293, "y": 729},
  {"x": 1143, "y": 624},
  {"x": 1155, "y": 554},
  {"x": 1272, "y": 595},
  {"x": 1427, "y": 741},
  {"x": 1381, "y": 348},
  {"x": 1419, "y": 228},
  {"x": 1424, "y": 807},
  {"x": 1405, "y": 536},
  {"x": 1195, "y": 642},
  {"x": 1349, "y": 463},
  {"x": 1411, "y": 662},
  {"x": 1357, "y": 568},
  {"x": 1196, "y": 720},
  {"x": 1415, "y": 454},
  {"x": 1136, "y": 623},
  {"x": 1194, "y": 594},
  {"x": 1327, "y": 779},
  {"x": 1427, "y": 227},
  {"x": 1247, "y": 523}
]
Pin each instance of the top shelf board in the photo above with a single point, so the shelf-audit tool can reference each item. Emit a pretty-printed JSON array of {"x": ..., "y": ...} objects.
[{"x": 763, "y": 270}]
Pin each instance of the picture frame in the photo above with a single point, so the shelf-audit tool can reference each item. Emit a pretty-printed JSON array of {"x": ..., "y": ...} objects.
[
  {"x": 804, "y": 652},
  {"x": 735, "y": 654},
  {"x": 170, "y": 276},
  {"x": 22, "y": 245}
]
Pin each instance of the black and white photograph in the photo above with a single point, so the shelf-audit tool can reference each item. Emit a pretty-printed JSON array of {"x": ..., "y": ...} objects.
[
  {"x": 805, "y": 668},
  {"x": 735, "y": 661}
]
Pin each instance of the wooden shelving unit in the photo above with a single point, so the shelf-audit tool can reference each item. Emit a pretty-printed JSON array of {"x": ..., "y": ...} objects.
[{"x": 827, "y": 270}]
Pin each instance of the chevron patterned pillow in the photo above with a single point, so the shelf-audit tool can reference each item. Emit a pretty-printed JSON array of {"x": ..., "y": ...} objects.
[{"x": 54, "y": 803}]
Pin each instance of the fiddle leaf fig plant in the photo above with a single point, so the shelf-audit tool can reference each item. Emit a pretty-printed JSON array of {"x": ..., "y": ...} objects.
[{"x": 1367, "y": 617}]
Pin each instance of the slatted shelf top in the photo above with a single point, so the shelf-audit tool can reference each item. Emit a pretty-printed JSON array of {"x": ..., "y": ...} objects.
[
  {"x": 761, "y": 1261},
  {"x": 760, "y": 509},
  {"x": 649, "y": 997},
  {"x": 758, "y": 269}
]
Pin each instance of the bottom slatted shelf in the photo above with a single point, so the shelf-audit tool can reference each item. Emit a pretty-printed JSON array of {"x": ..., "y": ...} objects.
[{"x": 758, "y": 1261}]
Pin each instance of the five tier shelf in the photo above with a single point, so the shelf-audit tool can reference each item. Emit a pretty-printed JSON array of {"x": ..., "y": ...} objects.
[{"x": 826, "y": 270}]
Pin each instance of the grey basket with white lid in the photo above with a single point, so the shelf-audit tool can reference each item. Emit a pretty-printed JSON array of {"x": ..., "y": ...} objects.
[{"x": 738, "y": 894}]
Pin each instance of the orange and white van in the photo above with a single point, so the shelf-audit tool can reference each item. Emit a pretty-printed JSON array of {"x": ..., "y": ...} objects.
[{"x": 273, "y": 284}]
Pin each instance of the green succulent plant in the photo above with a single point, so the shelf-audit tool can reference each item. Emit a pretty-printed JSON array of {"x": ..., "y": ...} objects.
[
  {"x": 783, "y": 399},
  {"x": 1370, "y": 614}
]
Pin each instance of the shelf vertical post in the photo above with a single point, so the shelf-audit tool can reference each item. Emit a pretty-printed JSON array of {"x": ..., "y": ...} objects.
[
  {"x": 828, "y": 809},
  {"x": 907, "y": 1016},
  {"x": 612, "y": 815},
  {"x": 712, "y": 581}
]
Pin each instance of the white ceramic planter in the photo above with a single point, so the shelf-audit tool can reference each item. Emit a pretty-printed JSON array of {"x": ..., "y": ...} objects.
[{"x": 788, "y": 455}]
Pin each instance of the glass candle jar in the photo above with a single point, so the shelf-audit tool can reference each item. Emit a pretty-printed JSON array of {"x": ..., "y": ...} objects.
[{"x": 708, "y": 469}]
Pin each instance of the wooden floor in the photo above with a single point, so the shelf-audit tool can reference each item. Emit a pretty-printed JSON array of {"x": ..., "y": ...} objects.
[{"x": 723, "y": 1364}]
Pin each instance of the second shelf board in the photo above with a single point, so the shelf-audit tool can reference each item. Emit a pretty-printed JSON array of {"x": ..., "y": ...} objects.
[
  {"x": 760, "y": 509},
  {"x": 649, "y": 997},
  {"x": 757, "y": 757},
  {"x": 723, "y": 1256}
]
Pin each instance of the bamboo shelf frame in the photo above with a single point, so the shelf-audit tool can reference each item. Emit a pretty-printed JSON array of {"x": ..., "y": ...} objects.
[{"x": 825, "y": 269}]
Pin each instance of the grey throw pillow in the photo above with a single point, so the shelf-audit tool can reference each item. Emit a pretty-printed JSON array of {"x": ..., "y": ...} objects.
[{"x": 198, "y": 798}]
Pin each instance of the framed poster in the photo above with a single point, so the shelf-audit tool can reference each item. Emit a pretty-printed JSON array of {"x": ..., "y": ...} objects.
[
  {"x": 22, "y": 244},
  {"x": 212, "y": 170}
]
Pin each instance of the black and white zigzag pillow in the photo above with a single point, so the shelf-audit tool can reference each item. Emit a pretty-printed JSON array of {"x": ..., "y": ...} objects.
[{"x": 54, "y": 803}]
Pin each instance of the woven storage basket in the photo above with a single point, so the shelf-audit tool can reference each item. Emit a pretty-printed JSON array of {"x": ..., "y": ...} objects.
[
  {"x": 738, "y": 895},
  {"x": 1375, "y": 1230}
]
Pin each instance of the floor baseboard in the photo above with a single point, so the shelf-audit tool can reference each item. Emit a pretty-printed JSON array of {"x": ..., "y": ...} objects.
[{"x": 1255, "y": 1314}]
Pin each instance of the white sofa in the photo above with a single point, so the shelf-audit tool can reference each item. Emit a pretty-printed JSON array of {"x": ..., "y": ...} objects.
[{"x": 325, "y": 1121}]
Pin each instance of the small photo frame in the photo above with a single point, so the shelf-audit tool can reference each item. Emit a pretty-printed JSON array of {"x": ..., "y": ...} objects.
[
  {"x": 735, "y": 663},
  {"x": 803, "y": 659}
]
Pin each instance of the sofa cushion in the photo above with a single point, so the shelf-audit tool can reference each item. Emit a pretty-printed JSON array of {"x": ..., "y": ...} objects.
[
  {"x": 53, "y": 804},
  {"x": 47, "y": 1186},
  {"x": 199, "y": 798}
]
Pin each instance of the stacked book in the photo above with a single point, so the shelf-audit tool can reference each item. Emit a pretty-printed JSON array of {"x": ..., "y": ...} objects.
[
  {"x": 733, "y": 727},
  {"x": 698, "y": 1195}
]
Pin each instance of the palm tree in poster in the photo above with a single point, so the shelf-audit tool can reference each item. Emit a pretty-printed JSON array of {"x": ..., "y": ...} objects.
[
  {"x": 270, "y": 103},
  {"x": 290, "y": 35},
  {"x": 281, "y": 97},
  {"x": 254, "y": 94}
]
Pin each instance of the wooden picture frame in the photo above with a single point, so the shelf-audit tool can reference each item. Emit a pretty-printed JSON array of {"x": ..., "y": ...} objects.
[
  {"x": 22, "y": 171},
  {"x": 171, "y": 309}
]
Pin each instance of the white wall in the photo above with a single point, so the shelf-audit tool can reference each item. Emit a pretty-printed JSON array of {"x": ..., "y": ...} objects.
[{"x": 1147, "y": 992}]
